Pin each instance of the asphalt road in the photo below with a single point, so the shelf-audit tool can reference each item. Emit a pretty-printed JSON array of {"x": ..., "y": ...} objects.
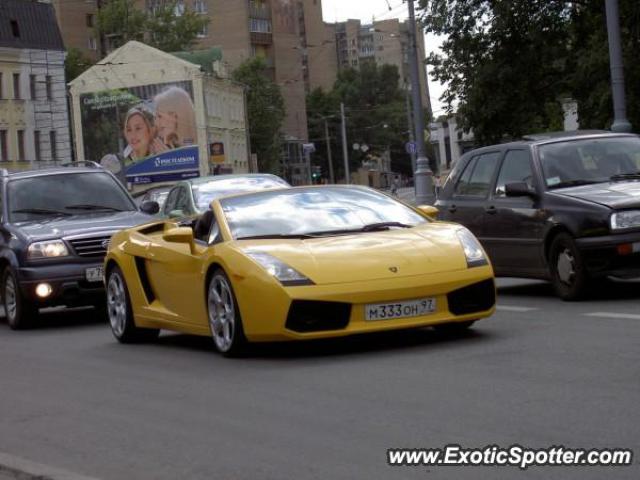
[{"x": 541, "y": 372}]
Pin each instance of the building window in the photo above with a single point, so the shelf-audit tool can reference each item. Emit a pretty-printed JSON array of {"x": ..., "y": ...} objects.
[
  {"x": 89, "y": 20},
  {"x": 16, "y": 85},
  {"x": 93, "y": 45},
  {"x": 36, "y": 142},
  {"x": 200, "y": 6},
  {"x": 259, "y": 25},
  {"x": 15, "y": 29},
  {"x": 4, "y": 155},
  {"x": 204, "y": 32},
  {"x": 48, "y": 83},
  {"x": 32, "y": 86},
  {"x": 178, "y": 9},
  {"x": 1, "y": 90},
  {"x": 54, "y": 145},
  {"x": 21, "y": 145}
]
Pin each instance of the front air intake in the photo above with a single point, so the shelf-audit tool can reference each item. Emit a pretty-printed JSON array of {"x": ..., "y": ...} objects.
[
  {"x": 314, "y": 316},
  {"x": 477, "y": 297}
]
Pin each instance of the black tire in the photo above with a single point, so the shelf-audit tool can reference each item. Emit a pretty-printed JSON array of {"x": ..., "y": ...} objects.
[
  {"x": 19, "y": 312},
  {"x": 453, "y": 328},
  {"x": 567, "y": 270},
  {"x": 220, "y": 296},
  {"x": 120, "y": 314}
]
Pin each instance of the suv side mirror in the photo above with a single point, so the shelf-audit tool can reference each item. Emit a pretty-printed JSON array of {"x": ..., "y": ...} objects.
[
  {"x": 150, "y": 207},
  {"x": 519, "y": 189}
]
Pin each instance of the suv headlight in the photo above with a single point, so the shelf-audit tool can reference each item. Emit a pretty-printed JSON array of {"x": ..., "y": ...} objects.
[
  {"x": 625, "y": 219},
  {"x": 285, "y": 274},
  {"x": 472, "y": 249},
  {"x": 48, "y": 249}
]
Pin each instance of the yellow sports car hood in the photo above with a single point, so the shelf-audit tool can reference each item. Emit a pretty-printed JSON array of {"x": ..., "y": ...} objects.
[{"x": 428, "y": 248}]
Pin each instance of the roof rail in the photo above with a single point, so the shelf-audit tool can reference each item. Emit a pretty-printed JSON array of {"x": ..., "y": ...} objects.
[
  {"x": 4, "y": 172},
  {"x": 79, "y": 163}
]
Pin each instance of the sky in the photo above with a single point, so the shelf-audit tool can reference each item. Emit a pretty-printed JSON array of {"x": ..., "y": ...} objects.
[{"x": 366, "y": 10}]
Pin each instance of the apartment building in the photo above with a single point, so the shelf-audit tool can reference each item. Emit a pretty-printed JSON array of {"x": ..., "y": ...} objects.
[{"x": 34, "y": 120}]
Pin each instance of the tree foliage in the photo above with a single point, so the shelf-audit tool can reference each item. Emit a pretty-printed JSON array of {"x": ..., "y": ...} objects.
[
  {"x": 266, "y": 112},
  {"x": 75, "y": 63},
  {"x": 170, "y": 27},
  {"x": 376, "y": 116},
  {"x": 508, "y": 63}
]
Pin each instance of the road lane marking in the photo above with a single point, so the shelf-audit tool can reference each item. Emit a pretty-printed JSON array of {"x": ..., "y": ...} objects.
[
  {"x": 628, "y": 316},
  {"x": 510, "y": 308}
]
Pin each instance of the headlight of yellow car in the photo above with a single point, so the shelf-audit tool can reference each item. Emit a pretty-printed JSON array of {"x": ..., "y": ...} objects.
[
  {"x": 48, "y": 249},
  {"x": 472, "y": 249},
  {"x": 285, "y": 274}
]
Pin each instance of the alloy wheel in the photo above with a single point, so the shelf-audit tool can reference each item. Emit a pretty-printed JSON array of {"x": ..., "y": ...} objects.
[
  {"x": 116, "y": 304},
  {"x": 11, "y": 301},
  {"x": 221, "y": 313}
]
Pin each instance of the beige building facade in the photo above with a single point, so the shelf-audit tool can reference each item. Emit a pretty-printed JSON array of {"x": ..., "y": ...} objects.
[{"x": 34, "y": 121}]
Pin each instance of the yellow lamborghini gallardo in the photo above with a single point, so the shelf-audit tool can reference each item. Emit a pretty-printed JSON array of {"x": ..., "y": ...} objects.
[{"x": 294, "y": 264}]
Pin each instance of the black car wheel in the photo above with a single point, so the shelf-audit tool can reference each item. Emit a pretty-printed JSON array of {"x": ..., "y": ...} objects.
[
  {"x": 224, "y": 316},
  {"x": 566, "y": 267},
  {"x": 19, "y": 312},
  {"x": 120, "y": 313}
]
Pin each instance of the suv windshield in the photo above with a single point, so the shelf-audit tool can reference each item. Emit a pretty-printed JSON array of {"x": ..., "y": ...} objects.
[
  {"x": 37, "y": 197},
  {"x": 315, "y": 212},
  {"x": 580, "y": 162}
]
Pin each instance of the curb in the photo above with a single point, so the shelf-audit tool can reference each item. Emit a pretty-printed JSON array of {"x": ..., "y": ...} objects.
[{"x": 21, "y": 469}]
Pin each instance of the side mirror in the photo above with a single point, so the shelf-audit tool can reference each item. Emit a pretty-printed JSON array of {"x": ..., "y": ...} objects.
[
  {"x": 519, "y": 189},
  {"x": 176, "y": 214},
  {"x": 150, "y": 207},
  {"x": 429, "y": 210},
  {"x": 178, "y": 235}
]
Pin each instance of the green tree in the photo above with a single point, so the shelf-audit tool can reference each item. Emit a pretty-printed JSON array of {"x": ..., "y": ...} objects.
[
  {"x": 266, "y": 112},
  {"x": 75, "y": 63},
  {"x": 170, "y": 27},
  {"x": 504, "y": 62}
]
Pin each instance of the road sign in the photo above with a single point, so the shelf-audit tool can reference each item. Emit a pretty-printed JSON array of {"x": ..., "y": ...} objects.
[
  {"x": 411, "y": 147},
  {"x": 308, "y": 148}
]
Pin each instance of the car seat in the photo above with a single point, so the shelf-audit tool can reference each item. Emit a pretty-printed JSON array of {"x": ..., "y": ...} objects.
[{"x": 203, "y": 225}]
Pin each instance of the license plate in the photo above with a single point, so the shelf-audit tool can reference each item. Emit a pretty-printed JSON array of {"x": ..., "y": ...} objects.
[
  {"x": 389, "y": 311},
  {"x": 94, "y": 274}
]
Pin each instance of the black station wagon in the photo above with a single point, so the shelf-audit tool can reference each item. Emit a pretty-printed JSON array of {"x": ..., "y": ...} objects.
[
  {"x": 55, "y": 227},
  {"x": 561, "y": 206}
]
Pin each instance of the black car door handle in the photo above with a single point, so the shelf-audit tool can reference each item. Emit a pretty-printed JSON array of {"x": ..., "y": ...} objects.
[
  {"x": 453, "y": 209},
  {"x": 491, "y": 210}
]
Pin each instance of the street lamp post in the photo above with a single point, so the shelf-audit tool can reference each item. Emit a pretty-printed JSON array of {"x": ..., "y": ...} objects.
[
  {"x": 620, "y": 122},
  {"x": 422, "y": 175}
]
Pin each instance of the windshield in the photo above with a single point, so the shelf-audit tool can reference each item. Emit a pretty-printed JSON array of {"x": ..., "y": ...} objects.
[
  {"x": 581, "y": 162},
  {"x": 314, "y": 211},
  {"x": 36, "y": 198},
  {"x": 205, "y": 193}
]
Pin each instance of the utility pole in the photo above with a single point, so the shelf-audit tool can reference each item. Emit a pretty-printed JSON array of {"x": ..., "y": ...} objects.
[
  {"x": 620, "y": 122},
  {"x": 422, "y": 175},
  {"x": 345, "y": 150},
  {"x": 102, "y": 39},
  {"x": 412, "y": 137},
  {"x": 329, "y": 160}
]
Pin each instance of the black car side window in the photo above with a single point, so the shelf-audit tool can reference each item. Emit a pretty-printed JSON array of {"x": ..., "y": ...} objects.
[
  {"x": 171, "y": 201},
  {"x": 463, "y": 182},
  {"x": 480, "y": 180},
  {"x": 516, "y": 167}
]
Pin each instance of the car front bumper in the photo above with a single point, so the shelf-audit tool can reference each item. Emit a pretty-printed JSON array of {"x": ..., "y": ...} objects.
[
  {"x": 69, "y": 285},
  {"x": 612, "y": 255}
]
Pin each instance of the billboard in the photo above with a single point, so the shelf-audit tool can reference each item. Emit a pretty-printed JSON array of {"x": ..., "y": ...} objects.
[{"x": 143, "y": 134}]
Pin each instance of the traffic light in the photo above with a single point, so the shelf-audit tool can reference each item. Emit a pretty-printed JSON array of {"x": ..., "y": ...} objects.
[{"x": 316, "y": 173}]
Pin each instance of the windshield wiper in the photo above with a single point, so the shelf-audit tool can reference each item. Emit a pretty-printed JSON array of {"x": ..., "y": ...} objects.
[
  {"x": 40, "y": 211},
  {"x": 372, "y": 227},
  {"x": 625, "y": 176},
  {"x": 88, "y": 206},
  {"x": 575, "y": 183},
  {"x": 300, "y": 236}
]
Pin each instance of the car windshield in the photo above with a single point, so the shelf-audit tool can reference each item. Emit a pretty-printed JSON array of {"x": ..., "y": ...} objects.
[
  {"x": 315, "y": 212},
  {"x": 205, "y": 193},
  {"x": 595, "y": 160},
  {"x": 35, "y": 198},
  {"x": 156, "y": 195}
]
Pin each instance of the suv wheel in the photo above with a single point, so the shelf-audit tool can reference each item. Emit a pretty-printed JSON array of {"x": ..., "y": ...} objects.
[
  {"x": 19, "y": 312},
  {"x": 566, "y": 267},
  {"x": 120, "y": 313}
]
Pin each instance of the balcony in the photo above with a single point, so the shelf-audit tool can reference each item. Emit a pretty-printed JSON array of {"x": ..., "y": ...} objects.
[{"x": 259, "y": 38}]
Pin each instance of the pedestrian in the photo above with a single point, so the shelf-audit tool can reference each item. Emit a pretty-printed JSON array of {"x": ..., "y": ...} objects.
[{"x": 394, "y": 186}]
